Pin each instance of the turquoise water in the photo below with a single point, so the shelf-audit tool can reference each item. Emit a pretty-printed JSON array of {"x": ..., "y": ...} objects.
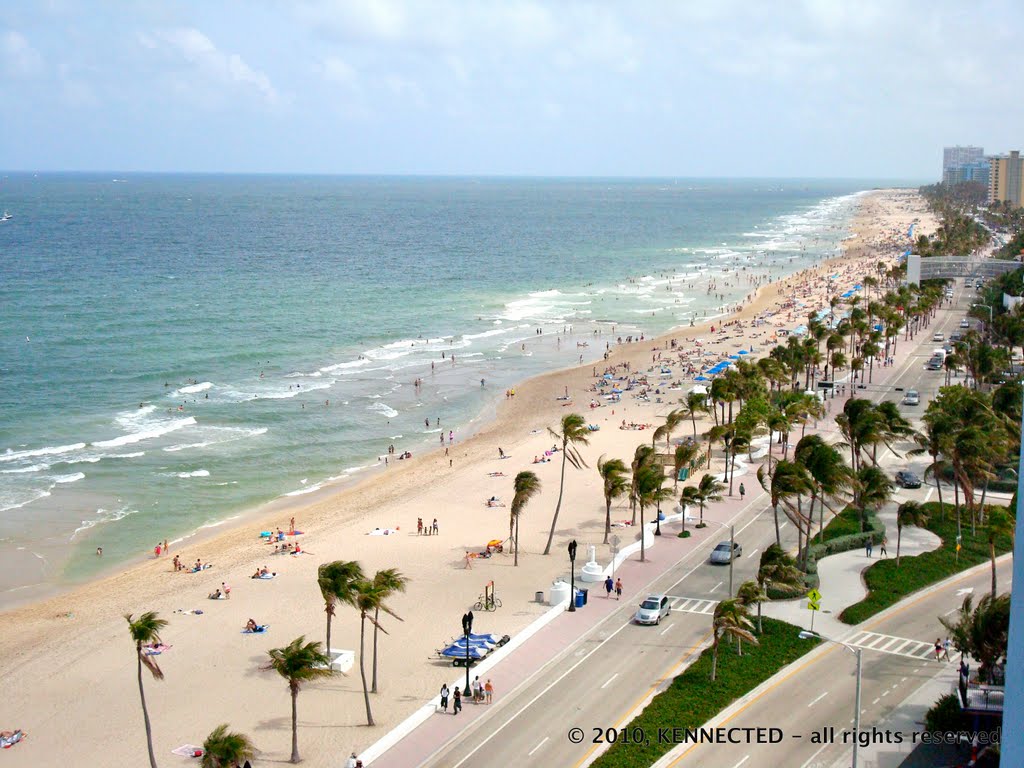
[{"x": 177, "y": 349}]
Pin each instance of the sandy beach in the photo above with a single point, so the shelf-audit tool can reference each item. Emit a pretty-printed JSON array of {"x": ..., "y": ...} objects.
[{"x": 68, "y": 661}]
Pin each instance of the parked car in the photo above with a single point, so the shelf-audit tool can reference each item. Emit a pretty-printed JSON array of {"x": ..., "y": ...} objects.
[
  {"x": 938, "y": 337},
  {"x": 721, "y": 554},
  {"x": 652, "y": 610},
  {"x": 965, "y": 323},
  {"x": 907, "y": 479},
  {"x": 956, "y": 336},
  {"x": 912, "y": 397}
]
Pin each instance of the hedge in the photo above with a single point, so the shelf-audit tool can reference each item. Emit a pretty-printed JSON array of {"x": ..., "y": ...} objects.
[
  {"x": 692, "y": 699},
  {"x": 842, "y": 534}
]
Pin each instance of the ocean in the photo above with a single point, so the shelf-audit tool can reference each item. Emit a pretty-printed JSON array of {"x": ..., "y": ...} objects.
[{"x": 179, "y": 349}]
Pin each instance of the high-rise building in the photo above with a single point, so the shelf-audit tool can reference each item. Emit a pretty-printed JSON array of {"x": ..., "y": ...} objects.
[
  {"x": 1006, "y": 179},
  {"x": 953, "y": 157},
  {"x": 977, "y": 172}
]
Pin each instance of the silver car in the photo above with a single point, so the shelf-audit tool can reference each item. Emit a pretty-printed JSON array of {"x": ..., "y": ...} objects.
[
  {"x": 652, "y": 610},
  {"x": 725, "y": 552}
]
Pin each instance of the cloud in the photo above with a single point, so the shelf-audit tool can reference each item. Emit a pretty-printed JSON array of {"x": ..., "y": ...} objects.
[
  {"x": 336, "y": 70},
  {"x": 17, "y": 57},
  {"x": 198, "y": 50}
]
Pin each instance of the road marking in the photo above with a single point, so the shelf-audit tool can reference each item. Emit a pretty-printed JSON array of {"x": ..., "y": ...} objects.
[
  {"x": 903, "y": 680},
  {"x": 877, "y": 699},
  {"x": 884, "y": 694},
  {"x": 782, "y": 526},
  {"x": 753, "y": 553},
  {"x": 817, "y": 752},
  {"x": 817, "y": 699},
  {"x": 952, "y": 610},
  {"x": 666, "y": 629},
  {"x": 741, "y": 762},
  {"x": 716, "y": 586},
  {"x": 894, "y": 646},
  {"x": 694, "y": 605},
  {"x": 530, "y": 754},
  {"x": 609, "y": 681}
]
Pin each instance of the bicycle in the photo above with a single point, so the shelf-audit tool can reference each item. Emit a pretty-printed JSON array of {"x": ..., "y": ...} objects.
[{"x": 485, "y": 603}]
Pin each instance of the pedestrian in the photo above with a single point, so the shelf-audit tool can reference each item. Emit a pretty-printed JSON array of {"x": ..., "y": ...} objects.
[
  {"x": 434, "y": 526},
  {"x": 352, "y": 761},
  {"x": 166, "y": 547},
  {"x": 882, "y": 551},
  {"x": 946, "y": 645},
  {"x": 489, "y": 690},
  {"x": 450, "y": 463},
  {"x": 501, "y": 454},
  {"x": 419, "y": 526},
  {"x": 451, "y": 436},
  {"x": 456, "y": 701},
  {"x": 618, "y": 589},
  {"x": 743, "y": 491},
  {"x": 478, "y": 690},
  {"x": 156, "y": 549},
  {"x": 469, "y": 561},
  {"x": 867, "y": 546},
  {"x": 225, "y": 590},
  {"x": 938, "y": 648},
  {"x": 444, "y": 697},
  {"x": 99, "y": 551},
  {"x": 609, "y": 585}
]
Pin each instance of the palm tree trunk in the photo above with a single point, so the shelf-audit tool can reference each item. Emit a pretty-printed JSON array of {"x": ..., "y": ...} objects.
[
  {"x": 778, "y": 535},
  {"x": 938, "y": 486},
  {"x": 295, "y": 724},
  {"x": 899, "y": 536},
  {"x": 373, "y": 682},
  {"x": 693, "y": 418},
  {"x": 759, "y": 630},
  {"x": 145, "y": 712},
  {"x": 643, "y": 549},
  {"x": 714, "y": 658},
  {"x": 558, "y": 505},
  {"x": 992, "y": 554},
  {"x": 328, "y": 649},
  {"x": 362, "y": 668},
  {"x": 515, "y": 562},
  {"x": 607, "y": 520}
]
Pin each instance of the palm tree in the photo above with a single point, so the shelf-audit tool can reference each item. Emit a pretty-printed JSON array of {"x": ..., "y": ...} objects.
[
  {"x": 875, "y": 490},
  {"x": 643, "y": 456},
  {"x": 226, "y": 749},
  {"x": 574, "y": 432},
  {"x": 908, "y": 513},
  {"x": 788, "y": 480},
  {"x": 299, "y": 662},
  {"x": 335, "y": 580},
  {"x": 389, "y": 581},
  {"x": 650, "y": 491},
  {"x": 981, "y": 632},
  {"x": 369, "y": 597},
  {"x": 827, "y": 471},
  {"x": 778, "y": 567},
  {"x": 752, "y": 593},
  {"x": 731, "y": 618},
  {"x": 613, "y": 475},
  {"x": 1000, "y": 525},
  {"x": 144, "y": 631},
  {"x": 685, "y": 455},
  {"x": 526, "y": 485},
  {"x": 695, "y": 403},
  {"x": 708, "y": 490},
  {"x": 672, "y": 422}
]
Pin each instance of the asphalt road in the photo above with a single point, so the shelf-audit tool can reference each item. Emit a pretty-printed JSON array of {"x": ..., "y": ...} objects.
[{"x": 611, "y": 670}]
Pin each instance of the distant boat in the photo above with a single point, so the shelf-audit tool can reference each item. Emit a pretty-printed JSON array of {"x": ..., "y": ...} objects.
[{"x": 6, "y": 217}]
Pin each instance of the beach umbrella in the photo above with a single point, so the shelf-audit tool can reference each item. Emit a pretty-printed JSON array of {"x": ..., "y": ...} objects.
[
  {"x": 701, "y": 378},
  {"x": 734, "y": 357},
  {"x": 744, "y": 352}
]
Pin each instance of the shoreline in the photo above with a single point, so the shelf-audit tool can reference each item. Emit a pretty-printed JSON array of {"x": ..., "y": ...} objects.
[{"x": 212, "y": 673}]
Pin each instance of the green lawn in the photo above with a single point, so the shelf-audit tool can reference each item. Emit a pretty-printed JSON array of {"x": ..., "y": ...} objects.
[
  {"x": 692, "y": 699},
  {"x": 846, "y": 523},
  {"x": 887, "y": 584}
]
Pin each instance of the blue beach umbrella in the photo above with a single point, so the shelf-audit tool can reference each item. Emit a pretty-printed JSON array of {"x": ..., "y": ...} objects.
[
  {"x": 744, "y": 352},
  {"x": 702, "y": 378}
]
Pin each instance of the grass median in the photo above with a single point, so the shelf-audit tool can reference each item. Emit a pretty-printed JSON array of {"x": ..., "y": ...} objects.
[
  {"x": 888, "y": 584},
  {"x": 692, "y": 699}
]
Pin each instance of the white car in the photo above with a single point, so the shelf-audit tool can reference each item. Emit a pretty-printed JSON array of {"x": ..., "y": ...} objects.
[
  {"x": 652, "y": 610},
  {"x": 965, "y": 323},
  {"x": 912, "y": 397},
  {"x": 721, "y": 556},
  {"x": 938, "y": 337}
]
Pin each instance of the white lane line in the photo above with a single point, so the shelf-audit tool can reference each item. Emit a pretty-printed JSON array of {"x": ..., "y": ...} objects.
[
  {"x": 536, "y": 698},
  {"x": 876, "y": 701},
  {"x": 530, "y": 753},
  {"x": 741, "y": 762},
  {"x": 716, "y": 586},
  {"x": 666, "y": 629},
  {"x": 817, "y": 699},
  {"x": 783, "y": 525},
  {"x": 753, "y": 553},
  {"x": 903, "y": 680},
  {"x": 817, "y": 752},
  {"x": 885, "y": 693},
  {"x": 609, "y": 681},
  {"x": 954, "y": 610}
]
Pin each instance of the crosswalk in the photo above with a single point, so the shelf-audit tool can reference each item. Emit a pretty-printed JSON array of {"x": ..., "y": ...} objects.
[
  {"x": 897, "y": 646},
  {"x": 693, "y": 605}
]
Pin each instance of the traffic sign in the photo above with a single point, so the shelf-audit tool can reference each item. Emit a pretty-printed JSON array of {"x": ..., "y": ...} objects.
[
  {"x": 814, "y": 596},
  {"x": 813, "y": 605}
]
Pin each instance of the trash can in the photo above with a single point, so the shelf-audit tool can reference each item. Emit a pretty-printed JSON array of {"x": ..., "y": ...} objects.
[
  {"x": 579, "y": 598},
  {"x": 586, "y": 594},
  {"x": 538, "y": 596}
]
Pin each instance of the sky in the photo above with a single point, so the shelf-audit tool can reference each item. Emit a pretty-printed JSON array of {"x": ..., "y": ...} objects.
[{"x": 699, "y": 88}]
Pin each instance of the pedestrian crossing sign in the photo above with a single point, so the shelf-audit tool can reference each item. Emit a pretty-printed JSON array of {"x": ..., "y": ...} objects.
[
  {"x": 813, "y": 605},
  {"x": 814, "y": 596}
]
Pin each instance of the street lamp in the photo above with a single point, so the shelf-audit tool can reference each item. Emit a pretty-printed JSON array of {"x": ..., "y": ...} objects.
[
  {"x": 572, "y": 566},
  {"x": 805, "y": 635},
  {"x": 732, "y": 545},
  {"x": 467, "y": 628}
]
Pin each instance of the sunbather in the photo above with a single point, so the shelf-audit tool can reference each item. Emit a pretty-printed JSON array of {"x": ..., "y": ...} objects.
[
  {"x": 216, "y": 595},
  {"x": 251, "y": 626}
]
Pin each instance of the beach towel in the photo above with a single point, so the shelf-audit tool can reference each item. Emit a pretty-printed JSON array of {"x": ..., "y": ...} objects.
[
  {"x": 260, "y": 629},
  {"x": 190, "y": 612},
  {"x": 188, "y": 750},
  {"x": 6, "y": 742},
  {"x": 157, "y": 650},
  {"x": 382, "y": 532},
  {"x": 268, "y": 575}
]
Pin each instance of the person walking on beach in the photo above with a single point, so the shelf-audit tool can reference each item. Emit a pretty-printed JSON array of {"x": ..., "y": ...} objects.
[
  {"x": 609, "y": 585},
  {"x": 419, "y": 526},
  {"x": 618, "y": 589},
  {"x": 456, "y": 701},
  {"x": 434, "y": 526},
  {"x": 743, "y": 491},
  {"x": 444, "y": 697}
]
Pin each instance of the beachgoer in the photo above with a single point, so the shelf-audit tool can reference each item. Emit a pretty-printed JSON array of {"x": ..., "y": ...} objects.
[
  {"x": 157, "y": 549},
  {"x": 167, "y": 548},
  {"x": 456, "y": 701},
  {"x": 434, "y": 526},
  {"x": 501, "y": 454},
  {"x": 444, "y": 697},
  {"x": 743, "y": 491},
  {"x": 489, "y": 690},
  {"x": 868, "y": 545},
  {"x": 882, "y": 551},
  {"x": 225, "y": 590},
  {"x": 469, "y": 561},
  {"x": 99, "y": 551},
  {"x": 618, "y": 589},
  {"x": 291, "y": 527},
  {"x": 609, "y": 585},
  {"x": 946, "y": 645},
  {"x": 251, "y": 626},
  {"x": 352, "y": 760},
  {"x": 419, "y": 526}
]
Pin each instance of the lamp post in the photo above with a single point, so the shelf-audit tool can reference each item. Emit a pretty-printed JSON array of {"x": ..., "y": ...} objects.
[
  {"x": 657, "y": 526},
  {"x": 989, "y": 308},
  {"x": 806, "y": 634},
  {"x": 467, "y": 628},
  {"x": 572, "y": 577},
  {"x": 732, "y": 545}
]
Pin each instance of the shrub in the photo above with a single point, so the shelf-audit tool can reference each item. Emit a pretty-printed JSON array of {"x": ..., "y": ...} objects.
[
  {"x": 946, "y": 715},
  {"x": 684, "y": 534}
]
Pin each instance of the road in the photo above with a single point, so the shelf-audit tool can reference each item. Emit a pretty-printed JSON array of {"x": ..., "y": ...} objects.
[
  {"x": 601, "y": 679},
  {"x": 898, "y": 658}
]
